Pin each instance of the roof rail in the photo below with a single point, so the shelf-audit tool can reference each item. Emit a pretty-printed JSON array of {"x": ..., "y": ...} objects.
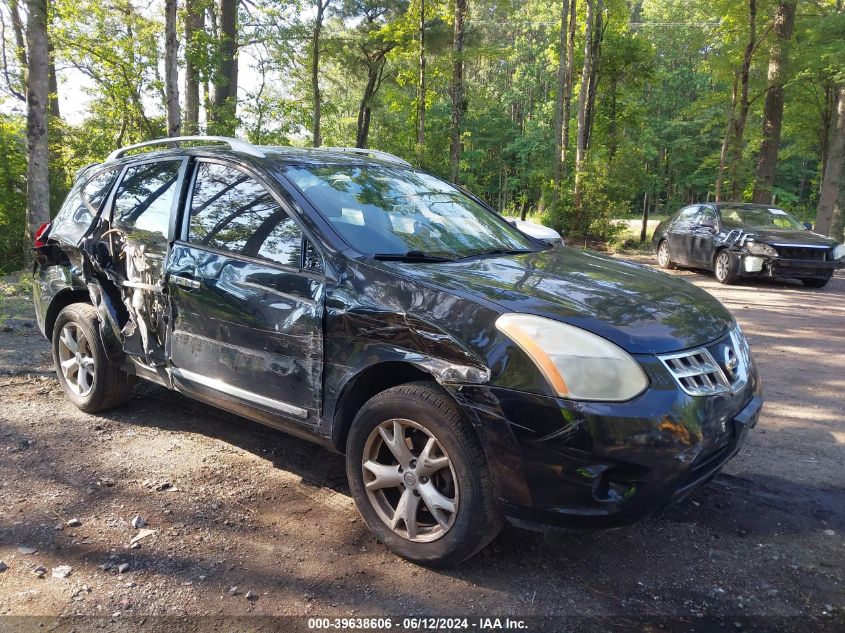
[
  {"x": 233, "y": 143},
  {"x": 363, "y": 151}
]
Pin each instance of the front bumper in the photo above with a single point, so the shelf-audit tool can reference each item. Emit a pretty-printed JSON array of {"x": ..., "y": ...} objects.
[
  {"x": 559, "y": 464},
  {"x": 754, "y": 266}
]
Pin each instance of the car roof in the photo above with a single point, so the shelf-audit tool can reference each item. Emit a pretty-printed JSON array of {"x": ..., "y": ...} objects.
[{"x": 723, "y": 205}]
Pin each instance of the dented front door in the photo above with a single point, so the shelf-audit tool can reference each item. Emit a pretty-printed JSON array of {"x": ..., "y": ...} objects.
[{"x": 247, "y": 320}]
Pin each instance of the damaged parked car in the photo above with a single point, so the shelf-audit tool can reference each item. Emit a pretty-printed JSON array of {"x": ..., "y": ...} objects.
[
  {"x": 737, "y": 240},
  {"x": 470, "y": 373}
]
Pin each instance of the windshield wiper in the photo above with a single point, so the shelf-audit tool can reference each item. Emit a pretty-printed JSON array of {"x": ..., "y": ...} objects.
[
  {"x": 411, "y": 256},
  {"x": 500, "y": 251}
]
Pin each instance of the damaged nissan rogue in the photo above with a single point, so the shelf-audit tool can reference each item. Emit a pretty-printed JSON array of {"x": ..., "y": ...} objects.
[{"x": 471, "y": 374}]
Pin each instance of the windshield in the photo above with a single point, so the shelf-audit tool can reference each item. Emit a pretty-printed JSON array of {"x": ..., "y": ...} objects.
[
  {"x": 758, "y": 218},
  {"x": 386, "y": 210}
]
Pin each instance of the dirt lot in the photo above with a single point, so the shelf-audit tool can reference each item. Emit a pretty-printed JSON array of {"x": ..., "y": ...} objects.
[{"x": 236, "y": 508}]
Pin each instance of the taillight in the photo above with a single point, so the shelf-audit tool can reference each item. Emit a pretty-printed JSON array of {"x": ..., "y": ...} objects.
[{"x": 40, "y": 235}]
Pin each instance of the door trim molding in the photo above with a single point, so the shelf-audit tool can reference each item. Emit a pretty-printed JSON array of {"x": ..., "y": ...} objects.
[{"x": 237, "y": 392}]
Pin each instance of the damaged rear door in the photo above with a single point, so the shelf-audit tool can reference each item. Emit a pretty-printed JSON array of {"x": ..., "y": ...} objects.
[
  {"x": 247, "y": 319},
  {"x": 135, "y": 248}
]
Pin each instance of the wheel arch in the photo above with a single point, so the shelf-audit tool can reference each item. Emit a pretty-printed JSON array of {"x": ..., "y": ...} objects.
[
  {"x": 383, "y": 375},
  {"x": 364, "y": 385},
  {"x": 59, "y": 302}
]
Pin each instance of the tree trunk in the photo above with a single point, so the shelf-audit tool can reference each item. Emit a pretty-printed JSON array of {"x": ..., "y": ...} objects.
[
  {"x": 18, "y": 29},
  {"x": 171, "y": 69},
  {"x": 421, "y": 83},
  {"x": 723, "y": 154},
  {"x": 559, "y": 99},
  {"x": 225, "y": 99},
  {"x": 567, "y": 101},
  {"x": 644, "y": 227},
  {"x": 316, "y": 134},
  {"x": 457, "y": 90},
  {"x": 581, "y": 137},
  {"x": 739, "y": 121},
  {"x": 37, "y": 99},
  {"x": 773, "y": 110},
  {"x": 194, "y": 24},
  {"x": 595, "y": 52},
  {"x": 832, "y": 195},
  {"x": 374, "y": 74}
]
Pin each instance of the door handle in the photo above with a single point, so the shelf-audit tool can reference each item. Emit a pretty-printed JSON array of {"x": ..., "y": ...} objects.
[{"x": 185, "y": 282}]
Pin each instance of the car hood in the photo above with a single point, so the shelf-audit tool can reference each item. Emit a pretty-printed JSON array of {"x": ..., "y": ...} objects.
[
  {"x": 639, "y": 309},
  {"x": 787, "y": 236}
]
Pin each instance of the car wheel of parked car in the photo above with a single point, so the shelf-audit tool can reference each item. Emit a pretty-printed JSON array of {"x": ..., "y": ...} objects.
[
  {"x": 90, "y": 380},
  {"x": 816, "y": 282},
  {"x": 664, "y": 258},
  {"x": 726, "y": 267},
  {"x": 419, "y": 476}
]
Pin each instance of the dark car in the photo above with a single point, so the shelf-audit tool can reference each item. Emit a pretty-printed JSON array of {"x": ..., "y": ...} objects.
[
  {"x": 737, "y": 240},
  {"x": 469, "y": 372}
]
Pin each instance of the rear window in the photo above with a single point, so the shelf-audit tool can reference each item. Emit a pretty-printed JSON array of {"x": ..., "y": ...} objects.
[{"x": 81, "y": 207}]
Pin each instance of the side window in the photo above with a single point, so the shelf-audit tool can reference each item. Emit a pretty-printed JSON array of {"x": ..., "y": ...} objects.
[
  {"x": 686, "y": 216},
  {"x": 232, "y": 211},
  {"x": 706, "y": 216},
  {"x": 144, "y": 198},
  {"x": 81, "y": 207}
]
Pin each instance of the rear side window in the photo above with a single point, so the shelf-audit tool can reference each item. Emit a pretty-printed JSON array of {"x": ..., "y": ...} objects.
[
  {"x": 232, "y": 211},
  {"x": 81, "y": 207},
  {"x": 145, "y": 196}
]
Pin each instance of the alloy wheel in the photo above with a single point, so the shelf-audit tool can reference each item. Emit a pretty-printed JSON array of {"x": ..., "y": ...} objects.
[
  {"x": 410, "y": 480},
  {"x": 76, "y": 360}
]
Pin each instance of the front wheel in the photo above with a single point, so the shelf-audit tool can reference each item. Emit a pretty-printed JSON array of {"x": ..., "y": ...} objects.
[
  {"x": 664, "y": 258},
  {"x": 419, "y": 476},
  {"x": 726, "y": 268}
]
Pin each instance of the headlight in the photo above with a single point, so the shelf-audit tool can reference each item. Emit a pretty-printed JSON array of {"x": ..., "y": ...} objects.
[
  {"x": 756, "y": 248},
  {"x": 578, "y": 365},
  {"x": 839, "y": 251}
]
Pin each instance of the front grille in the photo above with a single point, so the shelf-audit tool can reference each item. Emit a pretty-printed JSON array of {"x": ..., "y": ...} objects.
[
  {"x": 801, "y": 252},
  {"x": 699, "y": 373}
]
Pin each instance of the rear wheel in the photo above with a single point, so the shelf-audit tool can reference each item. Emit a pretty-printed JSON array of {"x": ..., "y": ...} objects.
[
  {"x": 726, "y": 267},
  {"x": 816, "y": 282},
  {"x": 664, "y": 258},
  {"x": 419, "y": 476},
  {"x": 89, "y": 379}
]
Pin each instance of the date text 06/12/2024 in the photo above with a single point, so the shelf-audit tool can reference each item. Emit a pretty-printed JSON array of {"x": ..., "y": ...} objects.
[{"x": 418, "y": 624}]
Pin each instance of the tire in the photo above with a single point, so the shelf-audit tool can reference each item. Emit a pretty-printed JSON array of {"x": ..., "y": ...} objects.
[
  {"x": 426, "y": 416},
  {"x": 816, "y": 282},
  {"x": 726, "y": 267},
  {"x": 664, "y": 258},
  {"x": 89, "y": 379}
]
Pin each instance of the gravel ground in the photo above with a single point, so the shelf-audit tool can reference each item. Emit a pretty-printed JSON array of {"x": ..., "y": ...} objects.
[{"x": 243, "y": 520}]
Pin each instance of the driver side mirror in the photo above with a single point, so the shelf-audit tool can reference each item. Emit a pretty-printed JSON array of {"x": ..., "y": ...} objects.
[{"x": 808, "y": 226}]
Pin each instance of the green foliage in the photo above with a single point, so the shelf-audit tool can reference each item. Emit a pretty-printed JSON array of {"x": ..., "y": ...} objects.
[{"x": 12, "y": 191}]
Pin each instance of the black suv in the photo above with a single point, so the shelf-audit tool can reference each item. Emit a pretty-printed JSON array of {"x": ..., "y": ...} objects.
[{"x": 469, "y": 372}]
